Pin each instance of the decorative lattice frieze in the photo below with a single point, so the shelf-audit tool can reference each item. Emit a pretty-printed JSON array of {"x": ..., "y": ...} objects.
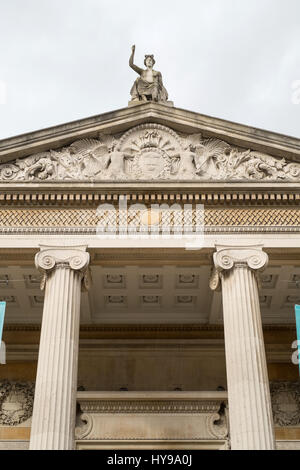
[{"x": 107, "y": 220}]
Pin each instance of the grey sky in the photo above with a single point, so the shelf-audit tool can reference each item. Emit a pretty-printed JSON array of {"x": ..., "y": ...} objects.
[{"x": 62, "y": 60}]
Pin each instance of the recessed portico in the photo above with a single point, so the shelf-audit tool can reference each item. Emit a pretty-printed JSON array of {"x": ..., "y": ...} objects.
[{"x": 151, "y": 333}]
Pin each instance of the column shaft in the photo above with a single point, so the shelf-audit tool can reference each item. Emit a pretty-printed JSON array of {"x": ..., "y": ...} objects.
[
  {"x": 53, "y": 420},
  {"x": 250, "y": 411}
]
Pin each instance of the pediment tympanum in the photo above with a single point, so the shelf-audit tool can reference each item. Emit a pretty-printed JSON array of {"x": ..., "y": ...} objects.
[{"x": 150, "y": 152}]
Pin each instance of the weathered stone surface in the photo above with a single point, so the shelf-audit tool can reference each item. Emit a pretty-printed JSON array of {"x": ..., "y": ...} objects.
[
  {"x": 150, "y": 152},
  {"x": 286, "y": 403},
  {"x": 53, "y": 419},
  {"x": 149, "y": 86},
  {"x": 14, "y": 445},
  {"x": 16, "y": 402},
  {"x": 121, "y": 120},
  {"x": 251, "y": 422},
  {"x": 152, "y": 415}
]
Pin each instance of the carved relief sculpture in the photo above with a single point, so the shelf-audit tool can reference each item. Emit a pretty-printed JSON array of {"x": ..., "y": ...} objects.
[
  {"x": 150, "y": 152},
  {"x": 16, "y": 402},
  {"x": 286, "y": 403}
]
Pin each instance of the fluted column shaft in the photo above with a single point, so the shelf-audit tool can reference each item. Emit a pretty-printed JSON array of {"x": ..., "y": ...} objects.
[
  {"x": 250, "y": 413},
  {"x": 53, "y": 420}
]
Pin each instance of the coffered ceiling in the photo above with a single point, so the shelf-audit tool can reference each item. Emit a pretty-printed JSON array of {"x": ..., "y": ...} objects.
[{"x": 150, "y": 294}]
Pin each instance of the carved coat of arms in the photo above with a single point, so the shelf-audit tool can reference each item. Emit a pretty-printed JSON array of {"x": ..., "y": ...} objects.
[
  {"x": 150, "y": 152},
  {"x": 286, "y": 403},
  {"x": 16, "y": 402}
]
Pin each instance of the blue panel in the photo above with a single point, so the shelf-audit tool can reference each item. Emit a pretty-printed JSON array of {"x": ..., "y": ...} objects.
[
  {"x": 297, "y": 314},
  {"x": 2, "y": 314}
]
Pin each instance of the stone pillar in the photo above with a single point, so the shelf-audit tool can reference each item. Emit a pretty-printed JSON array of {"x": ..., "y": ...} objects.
[
  {"x": 250, "y": 413},
  {"x": 53, "y": 419}
]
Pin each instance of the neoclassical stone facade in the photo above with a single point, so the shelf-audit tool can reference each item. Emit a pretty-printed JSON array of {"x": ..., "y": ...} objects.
[{"x": 150, "y": 263}]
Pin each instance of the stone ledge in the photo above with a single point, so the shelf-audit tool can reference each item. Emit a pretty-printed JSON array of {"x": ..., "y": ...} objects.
[{"x": 163, "y": 103}]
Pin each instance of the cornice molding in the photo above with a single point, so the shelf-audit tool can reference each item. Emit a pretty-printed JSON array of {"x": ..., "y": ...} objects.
[
  {"x": 101, "y": 415},
  {"x": 152, "y": 406},
  {"x": 91, "y": 197},
  {"x": 149, "y": 153},
  {"x": 145, "y": 328},
  {"x": 122, "y": 119}
]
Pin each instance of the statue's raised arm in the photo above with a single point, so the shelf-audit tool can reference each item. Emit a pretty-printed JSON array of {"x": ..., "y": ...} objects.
[
  {"x": 131, "y": 64},
  {"x": 148, "y": 86}
]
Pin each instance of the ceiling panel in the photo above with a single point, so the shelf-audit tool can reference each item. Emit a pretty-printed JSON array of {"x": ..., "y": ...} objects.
[{"x": 147, "y": 294}]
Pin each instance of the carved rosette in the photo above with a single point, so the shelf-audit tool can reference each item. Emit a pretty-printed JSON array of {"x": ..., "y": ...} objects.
[
  {"x": 227, "y": 258},
  {"x": 75, "y": 258}
]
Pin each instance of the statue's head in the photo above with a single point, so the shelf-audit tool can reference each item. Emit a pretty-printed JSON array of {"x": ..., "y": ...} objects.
[{"x": 149, "y": 60}]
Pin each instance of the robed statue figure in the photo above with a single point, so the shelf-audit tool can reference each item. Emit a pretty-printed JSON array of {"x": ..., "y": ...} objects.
[{"x": 148, "y": 86}]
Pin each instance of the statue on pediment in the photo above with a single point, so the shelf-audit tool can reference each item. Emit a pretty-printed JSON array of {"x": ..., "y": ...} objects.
[{"x": 148, "y": 86}]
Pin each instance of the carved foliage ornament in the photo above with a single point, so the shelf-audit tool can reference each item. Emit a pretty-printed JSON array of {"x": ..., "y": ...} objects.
[
  {"x": 90, "y": 423},
  {"x": 150, "y": 152},
  {"x": 16, "y": 402}
]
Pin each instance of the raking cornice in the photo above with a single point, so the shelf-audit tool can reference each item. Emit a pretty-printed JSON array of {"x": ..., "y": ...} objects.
[{"x": 123, "y": 119}]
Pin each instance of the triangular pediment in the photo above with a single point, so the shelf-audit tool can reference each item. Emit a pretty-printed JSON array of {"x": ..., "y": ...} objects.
[{"x": 150, "y": 143}]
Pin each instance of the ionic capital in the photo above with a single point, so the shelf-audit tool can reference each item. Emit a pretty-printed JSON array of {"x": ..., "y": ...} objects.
[
  {"x": 229, "y": 257},
  {"x": 51, "y": 257}
]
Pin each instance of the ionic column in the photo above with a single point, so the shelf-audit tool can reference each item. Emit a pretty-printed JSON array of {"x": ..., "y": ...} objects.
[
  {"x": 53, "y": 420},
  {"x": 250, "y": 413}
]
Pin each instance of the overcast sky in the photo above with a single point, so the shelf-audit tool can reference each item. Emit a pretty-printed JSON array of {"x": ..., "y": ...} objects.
[{"x": 62, "y": 60}]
